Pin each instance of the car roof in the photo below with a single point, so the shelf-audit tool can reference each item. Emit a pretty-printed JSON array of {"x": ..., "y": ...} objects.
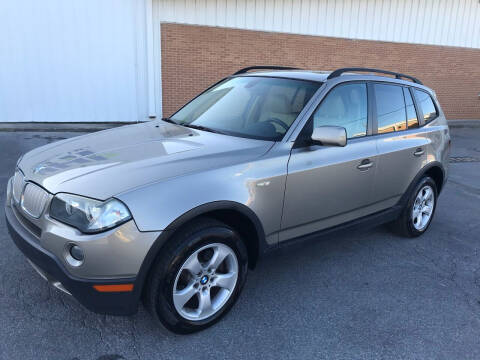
[
  {"x": 321, "y": 76},
  {"x": 318, "y": 76}
]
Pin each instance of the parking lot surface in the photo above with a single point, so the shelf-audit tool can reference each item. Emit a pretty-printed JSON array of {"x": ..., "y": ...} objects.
[{"x": 359, "y": 295}]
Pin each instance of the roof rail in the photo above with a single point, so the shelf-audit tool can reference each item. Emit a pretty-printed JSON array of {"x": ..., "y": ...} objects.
[
  {"x": 264, "y": 67},
  {"x": 339, "y": 72}
]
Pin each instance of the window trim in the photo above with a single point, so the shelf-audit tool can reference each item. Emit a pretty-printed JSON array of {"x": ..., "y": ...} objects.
[
  {"x": 417, "y": 110},
  {"x": 300, "y": 141},
  {"x": 373, "y": 105},
  {"x": 408, "y": 88},
  {"x": 420, "y": 106},
  {"x": 405, "y": 108}
]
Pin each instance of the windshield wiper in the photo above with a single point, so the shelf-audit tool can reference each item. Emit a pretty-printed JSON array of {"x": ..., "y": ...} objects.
[
  {"x": 169, "y": 121},
  {"x": 193, "y": 126},
  {"x": 204, "y": 128}
]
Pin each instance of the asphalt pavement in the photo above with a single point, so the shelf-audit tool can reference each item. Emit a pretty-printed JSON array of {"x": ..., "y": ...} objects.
[{"x": 361, "y": 295}]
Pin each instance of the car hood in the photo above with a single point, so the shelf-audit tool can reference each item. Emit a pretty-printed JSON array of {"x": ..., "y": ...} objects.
[{"x": 106, "y": 163}]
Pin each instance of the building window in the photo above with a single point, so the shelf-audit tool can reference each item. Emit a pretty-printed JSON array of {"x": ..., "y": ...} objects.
[
  {"x": 412, "y": 121},
  {"x": 426, "y": 105},
  {"x": 346, "y": 106},
  {"x": 391, "y": 115}
]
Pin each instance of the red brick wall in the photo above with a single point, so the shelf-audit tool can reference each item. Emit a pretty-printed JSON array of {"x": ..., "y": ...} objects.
[{"x": 194, "y": 57}]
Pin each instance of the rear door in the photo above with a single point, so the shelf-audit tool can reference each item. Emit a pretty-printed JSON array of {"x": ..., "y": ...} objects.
[
  {"x": 329, "y": 185},
  {"x": 402, "y": 144}
]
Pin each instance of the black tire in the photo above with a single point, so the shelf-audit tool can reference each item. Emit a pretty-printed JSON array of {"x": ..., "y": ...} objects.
[
  {"x": 404, "y": 224},
  {"x": 158, "y": 294}
]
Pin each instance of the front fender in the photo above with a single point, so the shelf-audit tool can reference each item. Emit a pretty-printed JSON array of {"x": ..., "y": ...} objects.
[{"x": 257, "y": 186}]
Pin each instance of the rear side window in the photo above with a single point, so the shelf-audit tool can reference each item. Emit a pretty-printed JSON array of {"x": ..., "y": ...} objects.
[
  {"x": 346, "y": 106},
  {"x": 391, "y": 113},
  {"x": 412, "y": 121},
  {"x": 426, "y": 104}
]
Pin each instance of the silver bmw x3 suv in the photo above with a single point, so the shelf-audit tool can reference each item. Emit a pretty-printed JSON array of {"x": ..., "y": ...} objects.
[{"x": 175, "y": 211}]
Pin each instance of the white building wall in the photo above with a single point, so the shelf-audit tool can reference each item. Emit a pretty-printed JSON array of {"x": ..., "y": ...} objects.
[
  {"x": 436, "y": 22},
  {"x": 73, "y": 60},
  {"x": 100, "y": 60}
]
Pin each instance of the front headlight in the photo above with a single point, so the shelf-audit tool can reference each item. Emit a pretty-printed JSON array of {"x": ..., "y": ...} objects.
[{"x": 88, "y": 215}]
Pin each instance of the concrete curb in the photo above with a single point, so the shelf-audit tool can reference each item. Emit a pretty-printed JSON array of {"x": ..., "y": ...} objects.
[
  {"x": 464, "y": 123},
  {"x": 90, "y": 127}
]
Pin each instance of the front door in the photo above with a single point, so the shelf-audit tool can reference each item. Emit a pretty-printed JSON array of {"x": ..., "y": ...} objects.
[{"x": 330, "y": 185}]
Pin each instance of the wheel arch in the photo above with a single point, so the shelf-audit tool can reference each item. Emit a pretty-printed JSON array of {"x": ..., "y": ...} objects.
[
  {"x": 437, "y": 173},
  {"x": 433, "y": 169},
  {"x": 236, "y": 215}
]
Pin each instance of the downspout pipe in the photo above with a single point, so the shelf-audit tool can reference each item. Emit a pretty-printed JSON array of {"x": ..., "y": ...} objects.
[{"x": 152, "y": 111}]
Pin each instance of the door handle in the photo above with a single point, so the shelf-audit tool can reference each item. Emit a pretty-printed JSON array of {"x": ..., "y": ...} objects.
[
  {"x": 365, "y": 164},
  {"x": 419, "y": 152}
]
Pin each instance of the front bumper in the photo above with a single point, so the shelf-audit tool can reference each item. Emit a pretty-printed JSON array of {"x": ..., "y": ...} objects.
[
  {"x": 114, "y": 303},
  {"x": 116, "y": 258}
]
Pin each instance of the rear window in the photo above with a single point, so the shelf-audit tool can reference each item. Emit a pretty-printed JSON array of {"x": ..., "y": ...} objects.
[
  {"x": 427, "y": 107},
  {"x": 391, "y": 113}
]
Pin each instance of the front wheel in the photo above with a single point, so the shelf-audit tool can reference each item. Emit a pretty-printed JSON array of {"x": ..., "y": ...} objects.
[
  {"x": 419, "y": 210},
  {"x": 197, "y": 277}
]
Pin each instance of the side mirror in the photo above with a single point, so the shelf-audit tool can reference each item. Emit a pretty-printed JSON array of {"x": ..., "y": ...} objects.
[{"x": 329, "y": 135}]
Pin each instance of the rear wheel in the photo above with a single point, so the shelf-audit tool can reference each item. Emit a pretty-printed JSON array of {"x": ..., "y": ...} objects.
[
  {"x": 197, "y": 277},
  {"x": 419, "y": 210}
]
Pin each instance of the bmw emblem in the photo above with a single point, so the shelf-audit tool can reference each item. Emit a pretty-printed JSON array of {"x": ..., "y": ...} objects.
[{"x": 204, "y": 279}]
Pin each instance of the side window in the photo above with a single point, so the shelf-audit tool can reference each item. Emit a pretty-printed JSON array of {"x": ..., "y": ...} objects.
[
  {"x": 391, "y": 114},
  {"x": 426, "y": 105},
  {"x": 345, "y": 105},
  {"x": 412, "y": 121}
]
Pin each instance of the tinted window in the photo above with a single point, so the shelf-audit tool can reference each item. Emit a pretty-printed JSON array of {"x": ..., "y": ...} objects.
[
  {"x": 254, "y": 106},
  {"x": 390, "y": 108},
  {"x": 345, "y": 105},
  {"x": 426, "y": 105},
  {"x": 412, "y": 121}
]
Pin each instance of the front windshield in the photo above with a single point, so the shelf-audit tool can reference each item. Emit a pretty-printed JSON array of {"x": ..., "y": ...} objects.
[{"x": 254, "y": 107}]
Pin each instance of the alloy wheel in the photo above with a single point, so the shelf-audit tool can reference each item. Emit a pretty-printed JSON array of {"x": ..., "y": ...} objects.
[
  {"x": 205, "y": 281},
  {"x": 423, "y": 208}
]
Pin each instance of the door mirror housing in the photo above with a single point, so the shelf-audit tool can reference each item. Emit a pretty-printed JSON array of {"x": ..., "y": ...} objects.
[{"x": 329, "y": 135}]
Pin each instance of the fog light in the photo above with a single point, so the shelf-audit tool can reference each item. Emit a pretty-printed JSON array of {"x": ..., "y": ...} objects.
[
  {"x": 77, "y": 253},
  {"x": 74, "y": 255}
]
